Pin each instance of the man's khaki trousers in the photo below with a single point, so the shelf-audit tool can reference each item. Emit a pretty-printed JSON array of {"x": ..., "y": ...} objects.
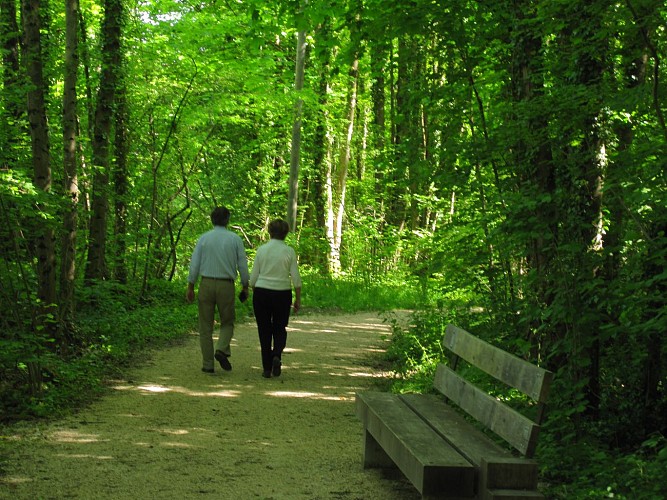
[{"x": 215, "y": 294}]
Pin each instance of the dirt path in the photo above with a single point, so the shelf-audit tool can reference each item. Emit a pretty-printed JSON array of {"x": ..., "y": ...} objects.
[{"x": 172, "y": 432}]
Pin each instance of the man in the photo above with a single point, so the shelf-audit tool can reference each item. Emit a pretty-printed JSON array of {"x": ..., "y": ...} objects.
[{"x": 218, "y": 258}]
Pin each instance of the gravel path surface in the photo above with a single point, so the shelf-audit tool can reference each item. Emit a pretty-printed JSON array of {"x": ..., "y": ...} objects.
[{"x": 169, "y": 431}]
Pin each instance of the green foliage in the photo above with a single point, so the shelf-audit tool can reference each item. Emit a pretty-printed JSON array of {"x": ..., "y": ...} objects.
[
  {"x": 115, "y": 326},
  {"x": 576, "y": 462},
  {"x": 578, "y": 469},
  {"x": 506, "y": 175},
  {"x": 417, "y": 349},
  {"x": 351, "y": 294}
]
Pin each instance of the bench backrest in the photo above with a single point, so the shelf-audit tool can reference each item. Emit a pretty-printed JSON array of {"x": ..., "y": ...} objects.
[{"x": 518, "y": 430}]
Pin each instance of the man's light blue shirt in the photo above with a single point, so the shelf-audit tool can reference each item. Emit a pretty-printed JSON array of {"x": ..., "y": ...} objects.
[{"x": 219, "y": 253}]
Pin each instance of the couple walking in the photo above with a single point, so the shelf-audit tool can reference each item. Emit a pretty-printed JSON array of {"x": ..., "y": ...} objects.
[{"x": 218, "y": 257}]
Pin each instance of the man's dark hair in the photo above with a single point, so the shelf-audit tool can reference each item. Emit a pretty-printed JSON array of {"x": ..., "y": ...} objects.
[
  {"x": 278, "y": 229},
  {"x": 220, "y": 216}
]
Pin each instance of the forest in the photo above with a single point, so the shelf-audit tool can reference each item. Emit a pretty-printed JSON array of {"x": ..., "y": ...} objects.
[{"x": 495, "y": 164}]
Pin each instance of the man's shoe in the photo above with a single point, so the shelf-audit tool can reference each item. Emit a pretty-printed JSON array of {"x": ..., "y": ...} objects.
[
  {"x": 266, "y": 374},
  {"x": 208, "y": 370},
  {"x": 277, "y": 366},
  {"x": 224, "y": 362}
]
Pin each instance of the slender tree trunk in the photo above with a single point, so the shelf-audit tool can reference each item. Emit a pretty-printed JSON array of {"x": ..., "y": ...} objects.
[
  {"x": 338, "y": 185},
  {"x": 322, "y": 143},
  {"x": 532, "y": 151},
  {"x": 480, "y": 178},
  {"x": 579, "y": 194},
  {"x": 378, "y": 127},
  {"x": 96, "y": 267},
  {"x": 406, "y": 139},
  {"x": 638, "y": 48},
  {"x": 592, "y": 168},
  {"x": 85, "y": 188},
  {"x": 44, "y": 319},
  {"x": 121, "y": 186},
  {"x": 296, "y": 131},
  {"x": 41, "y": 155},
  {"x": 71, "y": 188}
]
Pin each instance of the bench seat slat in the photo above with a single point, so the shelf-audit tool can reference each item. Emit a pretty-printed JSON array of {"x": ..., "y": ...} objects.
[
  {"x": 498, "y": 464},
  {"x": 516, "y": 429},
  {"x": 427, "y": 460},
  {"x": 470, "y": 442}
]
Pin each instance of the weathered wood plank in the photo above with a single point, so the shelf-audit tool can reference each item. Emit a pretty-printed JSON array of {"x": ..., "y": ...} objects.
[
  {"x": 470, "y": 442},
  {"x": 516, "y": 429},
  {"x": 510, "y": 369},
  {"x": 428, "y": 461}
]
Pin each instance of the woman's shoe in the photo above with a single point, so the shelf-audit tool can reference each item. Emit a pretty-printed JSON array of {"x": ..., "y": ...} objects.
[{"x": 277, "y": 366}]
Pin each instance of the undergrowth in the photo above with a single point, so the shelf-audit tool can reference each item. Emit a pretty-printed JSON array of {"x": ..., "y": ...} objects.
[{"x": 114, "y": 326}]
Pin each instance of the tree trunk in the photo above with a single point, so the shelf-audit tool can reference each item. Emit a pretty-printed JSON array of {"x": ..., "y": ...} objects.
[
  {"x": 71, "y": 189},
  {"x": 407, "y": 138},
  {"x": 41, "y": 155},
  {"x": 579, "y": 193},
  {"x": 337, "y": 182},
  {"x": 533, "y": 152},
  {"x": 378, "y": 127},
  {"x": 96, "y": 268},
  {"x": 638, "y": 47},
  {"x": 44, "y": 319},
  {"x": 589, "y": 225},
  {"x": 296, "y": 131},
  {"x": 121, "y": 186}
]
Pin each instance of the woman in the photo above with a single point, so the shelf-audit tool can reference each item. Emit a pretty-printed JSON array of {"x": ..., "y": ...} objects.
[{"x": 274, "y": 272}]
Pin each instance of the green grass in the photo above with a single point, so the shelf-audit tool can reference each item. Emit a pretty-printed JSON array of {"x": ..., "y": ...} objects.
[{"x": 351, "y": 294}]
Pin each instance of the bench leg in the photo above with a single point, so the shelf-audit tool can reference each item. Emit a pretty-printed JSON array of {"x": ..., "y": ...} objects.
[
  {"x": 508, "y": 473},
  {"x": 374, "y": 455}
]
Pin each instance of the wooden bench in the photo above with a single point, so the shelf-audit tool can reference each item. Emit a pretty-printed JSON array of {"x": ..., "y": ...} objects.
[{"x": 438, "y": 449}]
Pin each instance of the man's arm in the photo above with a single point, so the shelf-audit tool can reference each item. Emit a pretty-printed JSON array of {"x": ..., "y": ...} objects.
[
  {"x": 190, "y": 293},
  {"x": 193, "y": 274},
  {"x": 242, "y": 264}
]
